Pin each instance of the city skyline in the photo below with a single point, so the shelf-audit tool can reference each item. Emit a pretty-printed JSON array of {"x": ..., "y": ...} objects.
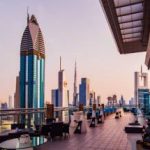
[{"x": 98, "y": 61}]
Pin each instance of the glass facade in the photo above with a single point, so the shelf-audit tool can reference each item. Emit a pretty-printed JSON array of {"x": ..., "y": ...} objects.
[
  {"x": 32, "y": 82},
  {"x": 32, "y": 66},
  {"x": 147, "y": 103},
  {"x": 84, "y": 92},
  {"x": 141, "y": 98}
]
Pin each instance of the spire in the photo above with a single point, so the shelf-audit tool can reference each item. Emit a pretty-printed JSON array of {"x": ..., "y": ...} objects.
[
  {"x": 75, "y": 86},
  {"x": 141, "y": 72},
  {"x": 75, "y": 72},
  {"x": 60, "y": 63},
  {"x": 27, "y": 15},
  {"x": 141, "y": 69}
]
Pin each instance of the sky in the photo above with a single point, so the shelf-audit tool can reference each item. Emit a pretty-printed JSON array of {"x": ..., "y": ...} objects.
[{"x": 75, "y": 30}]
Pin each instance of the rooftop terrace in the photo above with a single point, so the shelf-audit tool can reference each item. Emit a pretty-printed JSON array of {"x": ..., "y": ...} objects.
[{"x": 107, "y": 136}]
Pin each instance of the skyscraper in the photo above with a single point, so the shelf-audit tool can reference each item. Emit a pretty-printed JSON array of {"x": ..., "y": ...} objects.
[
  {"x": 55, "y": 97},
  {"x": 4, "y": 106},
  {"x": 17, "y": 94},
  {"x": 75, "y": 95},
  {"x": 140, "y": 77},
  {"x": 84, "y": 92},
  {"x": 32, "y": 66},
  {"x": 62, "y": 86},
  {"x": 92, "y": 98},
  {"x": 10, "y": 102},
  {"x": 122, "y": 101}
]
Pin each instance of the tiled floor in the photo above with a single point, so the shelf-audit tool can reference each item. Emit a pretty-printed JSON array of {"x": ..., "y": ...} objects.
[{"x": 107, "y": 136}]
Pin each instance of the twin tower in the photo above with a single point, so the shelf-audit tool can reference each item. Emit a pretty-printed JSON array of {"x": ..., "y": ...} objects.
[{"x": 32, "y": 66}]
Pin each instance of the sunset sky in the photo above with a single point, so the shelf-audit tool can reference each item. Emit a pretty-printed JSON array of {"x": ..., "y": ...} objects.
[{"x": 76, "y": 30}]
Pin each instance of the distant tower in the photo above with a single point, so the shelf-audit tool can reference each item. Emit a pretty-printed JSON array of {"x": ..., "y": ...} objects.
[
  {"x": 32, "y": 66},
  {"x": 10, "y": 102},
  {"x": 122, "y": 101},
  {"x": 110, "y": 101},
  {"x": 62, "y": 87},
  {"x": 114, "y": 98},
  {"x": 92, "y": 98},
  {"x": 75, "y": 95},
  {"x": 98, "y": 99},
  {"x": 84, "y": 92},
  {"x": 54, "y": 98},
  {"x": 137, "y": 77},
  {"x": 17, "y": 94}
]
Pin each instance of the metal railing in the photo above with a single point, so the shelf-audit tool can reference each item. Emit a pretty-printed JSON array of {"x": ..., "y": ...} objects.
[{"x": 10, "y": 116}]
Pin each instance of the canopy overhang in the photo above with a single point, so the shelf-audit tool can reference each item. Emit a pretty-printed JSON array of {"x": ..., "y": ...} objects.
[{"x": 130, "y": 23}]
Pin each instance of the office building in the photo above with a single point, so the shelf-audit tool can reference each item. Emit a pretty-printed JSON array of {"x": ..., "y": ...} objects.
[
  {"x": 4, "y": 106},
  {"x": 112, "y": 100},
  {"x": 141, "y": 96},
  {"x": 10, "y": 102},
  {"x": 17, "y": 94},
  {"x": 55, "y": 97},
  {"x": 75, "y": 95},
  {"x": 62, "y": 87},
  {"x": 32, "y": 66},
  {"x": 109, "y": 101},
  {"x": 147, "y": 103},
  {"x": 139, "y": 87},
  {"x": 68, "y": 96},
  {"x": 92, "y": 98},
  {"x": 122, "y": 101},
  {"x": 84, "y": 92}
]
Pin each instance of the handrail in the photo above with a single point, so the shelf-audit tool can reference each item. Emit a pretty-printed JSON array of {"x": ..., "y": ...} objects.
[
  {"x": 24, "y": 109},
  {"x": 20, "y": 111}
]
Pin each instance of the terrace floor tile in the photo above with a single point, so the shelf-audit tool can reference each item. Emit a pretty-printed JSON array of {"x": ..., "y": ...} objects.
[{"x": 107, "y": 136}]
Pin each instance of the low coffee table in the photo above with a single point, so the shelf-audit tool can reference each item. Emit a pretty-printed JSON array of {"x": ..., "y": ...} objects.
[
  {"x": 134, "y": 129},
  {"x": 14, "y": 143}
]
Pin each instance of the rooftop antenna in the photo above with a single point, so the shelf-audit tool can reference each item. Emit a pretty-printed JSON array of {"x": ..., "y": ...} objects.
[
  {"x": 27, "y": 15},
  {"x": 60, "y": 63},
  {"x": 75, "y": 64},
  {"x": 75, "y": 86},
  {"x": 75, "y": 73}
]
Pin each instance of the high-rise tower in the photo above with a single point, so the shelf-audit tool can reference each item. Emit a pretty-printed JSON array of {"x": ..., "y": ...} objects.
[
  {"x": 138, "y": 87},
  {"x": 75, "y": 95},
  {"x": 62, "y": 86},
  {"x": 84, "y": 92},
  {"x": 17, "y": 93},
  {"x": 32, "y": 66}
]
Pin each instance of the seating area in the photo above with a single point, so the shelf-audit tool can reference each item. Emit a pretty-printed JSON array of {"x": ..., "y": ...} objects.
[
  {"x": 57, "y": 132},
  {"x": 102, "y": 137},
  {"x": 53, "y": 129},
  {"x": 50, "y": 130},
  {"x": 15, "y": 134}
]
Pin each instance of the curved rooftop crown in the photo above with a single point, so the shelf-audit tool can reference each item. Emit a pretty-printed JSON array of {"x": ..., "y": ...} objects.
[
  {"x": 33, "y": 20},
  {"x": 32, "y": 39}
]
